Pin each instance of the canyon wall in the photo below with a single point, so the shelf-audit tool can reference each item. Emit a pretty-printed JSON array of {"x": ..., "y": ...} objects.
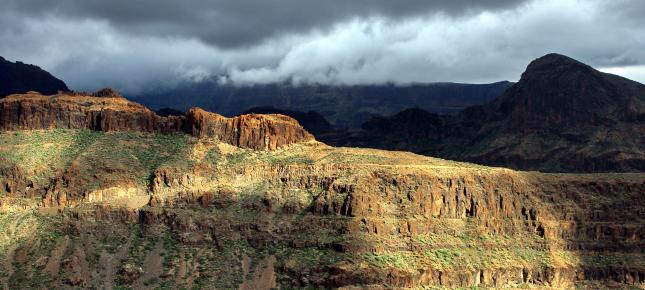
[
  {"x": 143, "y": 201},
  {"x": 253, "y": 131},
  {"x": 110, "y": 112}
]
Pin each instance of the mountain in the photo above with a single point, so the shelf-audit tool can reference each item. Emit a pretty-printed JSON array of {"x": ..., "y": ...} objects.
[
  {"x": 312, "y": 121},
  {"x": 99, "y": 192},
  {"x": 342, "y": 106},
  {"x": 562, "y": 115},
  {"x": 21, "y": 78}
]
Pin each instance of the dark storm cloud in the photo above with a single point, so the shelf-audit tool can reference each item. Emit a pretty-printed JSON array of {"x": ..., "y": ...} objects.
[
  {"x": 231, "y": 23},
  {"x": 144, "y": 45}
]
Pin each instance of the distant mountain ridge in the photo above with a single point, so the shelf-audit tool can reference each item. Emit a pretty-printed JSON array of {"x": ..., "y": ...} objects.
[
  {"x": 562, "y": 115},
  {"x": 342, "y": 106},
  {"x": 312, "y": 121},
  {"x": 18, "y": 78}
]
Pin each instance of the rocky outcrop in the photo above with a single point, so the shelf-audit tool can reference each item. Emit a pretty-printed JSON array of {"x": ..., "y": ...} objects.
[
  {"x": 13, "y": 181},
  {"x": 106, "y": 110},
  {"x": 260, "y": 132},
  {"x": 19, "y": 78},
  {"x": 556, "y": 213},
  {"x": 107, "y": 113},
  {"x": 541, "y": 213}
]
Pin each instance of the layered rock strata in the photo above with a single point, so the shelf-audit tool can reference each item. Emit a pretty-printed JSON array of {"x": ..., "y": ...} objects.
[{"x": 107, "y": 111}]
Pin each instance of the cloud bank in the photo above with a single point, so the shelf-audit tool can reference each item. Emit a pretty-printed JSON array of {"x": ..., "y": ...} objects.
[{"x": 137, "y": 46}]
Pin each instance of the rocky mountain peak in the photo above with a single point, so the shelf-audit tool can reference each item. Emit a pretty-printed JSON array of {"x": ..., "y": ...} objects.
[
  {"x": 557, "y": 90},
  {"x": 555, "y": 63},
  {"x": 562, "y": 115}
]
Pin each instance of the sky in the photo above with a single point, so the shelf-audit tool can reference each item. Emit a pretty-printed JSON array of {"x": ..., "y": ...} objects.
[{"x": 146, "y": 45}]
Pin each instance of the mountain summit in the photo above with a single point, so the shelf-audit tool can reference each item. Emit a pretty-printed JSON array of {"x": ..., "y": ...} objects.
[
  {"x": 21, "y": 78},
  {"x": 556, "y": 90},
  {"x": 562, "y": 115}
]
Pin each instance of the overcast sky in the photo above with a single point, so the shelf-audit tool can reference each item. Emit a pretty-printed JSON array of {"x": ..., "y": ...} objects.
[{"x": 141, "y": 45}]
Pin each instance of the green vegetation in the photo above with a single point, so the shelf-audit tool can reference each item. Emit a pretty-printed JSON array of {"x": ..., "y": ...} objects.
[
  {"x": 338, "y": 157},
  {"x": 289, "y": 159},
  {"x": 23, "y": 230},
  {"x": 212, "y": 156},
  {"x": 249, "y": 213},
  {"x": 44, "y": 152},
  {"x": 139, "y": 154},
  {"x": 457, "y": 258},
  {"x": 237, "y": 158},
  {"x": 162, "y": 149}
]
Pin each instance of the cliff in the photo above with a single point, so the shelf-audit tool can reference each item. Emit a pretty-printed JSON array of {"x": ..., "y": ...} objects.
[
  {"x": 35, "y": 111},
  {"x": 254, "y": 131},
  {"x": 107, "y": 111},
  {"x": 182, "y": 211}
]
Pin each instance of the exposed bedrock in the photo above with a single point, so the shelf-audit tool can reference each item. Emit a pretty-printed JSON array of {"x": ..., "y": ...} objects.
[
  {"x": 584, "y": 214},
  {"x": 107, "y": 111}
]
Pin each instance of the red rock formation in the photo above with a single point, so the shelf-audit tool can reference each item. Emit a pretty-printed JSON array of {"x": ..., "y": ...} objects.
[
  {"x": 260, "y": 132},
  {"x": 35, "y": 111},
  {"x": 107, "y": 111}
]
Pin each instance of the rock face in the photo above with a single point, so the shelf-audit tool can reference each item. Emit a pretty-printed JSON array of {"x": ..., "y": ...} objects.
[
  {"x": 107, "y": 111},
  {"x": 20, "y": 78},
  {"x": 562, "y": 116},
  {"x": 260, "y": 132},
  {"x": 313, "y": 216}
]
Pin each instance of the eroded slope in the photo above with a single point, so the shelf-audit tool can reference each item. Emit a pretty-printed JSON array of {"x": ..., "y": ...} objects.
[{"x": 146, "y": 210}]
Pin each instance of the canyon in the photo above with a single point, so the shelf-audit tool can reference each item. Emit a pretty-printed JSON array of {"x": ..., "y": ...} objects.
[{"x": 100, "y": 192}]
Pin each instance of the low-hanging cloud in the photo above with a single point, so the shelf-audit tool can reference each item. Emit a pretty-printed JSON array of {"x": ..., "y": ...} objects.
[
  {"x": 146, "y": 45},
  {"x": 482, "y": 48}
]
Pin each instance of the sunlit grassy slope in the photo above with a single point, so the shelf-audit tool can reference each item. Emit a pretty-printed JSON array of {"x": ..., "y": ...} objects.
[
  {"x": 226, "y": 253},
  {"x": 45, "y": 153}
]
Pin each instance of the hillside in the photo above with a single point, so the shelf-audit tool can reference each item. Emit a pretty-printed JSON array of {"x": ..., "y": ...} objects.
[
  {"x": 21, "y": 78},
  {"x": 562, "y": 116},
  {"x": 138, "y": 205},
  {"x": 342, "y": 106}
]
